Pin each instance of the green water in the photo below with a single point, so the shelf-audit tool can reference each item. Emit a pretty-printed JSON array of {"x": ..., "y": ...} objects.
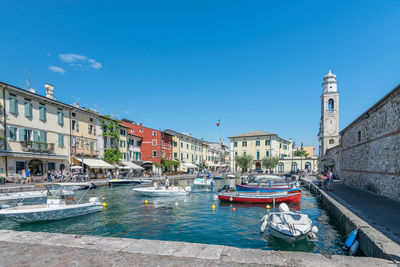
[{"x": 190, "y": 219}]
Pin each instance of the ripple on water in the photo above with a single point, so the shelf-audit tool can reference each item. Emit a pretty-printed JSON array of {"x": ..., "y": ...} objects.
[{"x": 192, "y": 220}]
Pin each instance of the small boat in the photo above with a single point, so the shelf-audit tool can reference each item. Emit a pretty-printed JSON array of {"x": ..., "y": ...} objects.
[
  {"x": 287, "y": 225},
  {"x": 260, "y": 197},
  {"x": 31, "y": 197},
  {"x": 263, "y": 188},
  {"x": 71, "y": 186},
  {"x": 163, "y": 192},
  {"x": 61, "y": 204},
  {"x": 203, "y": 180},
  {"x": 124, "y": 181},
  {"x": 145, "y": 180},
  {"x": 231, "y": 176}
]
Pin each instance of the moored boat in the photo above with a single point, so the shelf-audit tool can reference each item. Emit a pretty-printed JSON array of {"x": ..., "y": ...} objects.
[
  {"x": 287, "y": 225},
  {"x": 30, "y": 197},
  {"x": 263, "y": 188},
  {"x": 260, "y": 197},
  {"x": 124, "y": 181},
  {"x": 162, "y": 192}
]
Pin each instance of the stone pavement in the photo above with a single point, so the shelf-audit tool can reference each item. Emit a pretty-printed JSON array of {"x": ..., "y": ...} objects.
[
  {"x": 379, "y": 211},
  {"x": 49, "y": 249}
]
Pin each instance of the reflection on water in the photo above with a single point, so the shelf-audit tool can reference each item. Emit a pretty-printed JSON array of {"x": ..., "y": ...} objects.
[{"x": 191, "y": 219}]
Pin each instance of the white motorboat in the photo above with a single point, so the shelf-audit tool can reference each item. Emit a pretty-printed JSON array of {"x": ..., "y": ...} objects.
[
  {"x": 163, "y": 192},
  {"x": 146, "y": 180},
  {"x": 203, "y": 180},
  {"x": 70, "y": 186},
  {"x": 287, "y": 225},
  {"x": 32, "y": 197},
  {"x": 60, "y": 204}
]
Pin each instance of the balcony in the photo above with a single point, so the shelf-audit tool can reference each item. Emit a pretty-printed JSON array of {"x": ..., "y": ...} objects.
[
  {"x": 86, "y": 152},
  {"x": 32, "y": 146}
]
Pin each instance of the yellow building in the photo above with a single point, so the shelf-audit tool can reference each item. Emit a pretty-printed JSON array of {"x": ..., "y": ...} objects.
[
  {"x": 123, "y": 142},
  {"x": 217, "y": 155},
  {"x": 35, "y": 132},
  {"x": 308, "y": 149}
]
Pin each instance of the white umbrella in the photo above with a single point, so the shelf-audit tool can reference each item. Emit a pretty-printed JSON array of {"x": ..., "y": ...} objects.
[{"x": 76, "y": 167}]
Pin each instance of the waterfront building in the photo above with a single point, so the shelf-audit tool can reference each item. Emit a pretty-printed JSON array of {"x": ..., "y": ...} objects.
[
  {"x": 187, "y": 149},
  {"x": 134, "y": 145},
  {"x": 217, "y": 155},
  {"x": 368, "y": 154},
  {"x": 329, "y": 124},
  {"x": 123, "y": 142},
  {"x": 156, "y": 145},
  {"x": 35, "y": 131}
]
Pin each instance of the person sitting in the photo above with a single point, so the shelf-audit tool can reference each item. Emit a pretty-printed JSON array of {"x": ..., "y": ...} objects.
[{"x": 156, "y": 185}]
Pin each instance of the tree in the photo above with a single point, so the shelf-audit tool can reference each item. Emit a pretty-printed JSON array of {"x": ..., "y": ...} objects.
[
  {"x": 112, "y": 155},
  {"x": 301, "y": 153},
  {"x": 244, "y": 162},
  {"x": 270, "y": 163}
]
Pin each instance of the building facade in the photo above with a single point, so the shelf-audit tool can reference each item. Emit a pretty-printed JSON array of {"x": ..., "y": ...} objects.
[
  {"x": 329, "y": 124},
  {"x": 134, "y": 145},
  {"x": 35, "y": 132},
  {"x": 156, "y": 145},
  {"x": 217, "y": 155}
]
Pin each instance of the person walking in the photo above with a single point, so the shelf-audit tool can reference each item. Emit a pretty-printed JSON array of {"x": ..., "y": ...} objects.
[
  {"x": 28, "y": 176},
  {"x": 166, "y": 183},
  {"x": 23, "y": 175},
  {"x": 330, "y": 181}
]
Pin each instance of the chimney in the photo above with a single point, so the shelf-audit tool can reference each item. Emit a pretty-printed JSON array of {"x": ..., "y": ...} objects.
[{"x": 49, "y": 90}]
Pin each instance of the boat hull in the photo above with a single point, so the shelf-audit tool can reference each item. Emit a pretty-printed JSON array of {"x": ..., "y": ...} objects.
[
  {"x": 249, "y": 188},
  {"x": 161, "y": 192},
  {"x": 260, "y": 198},
  {"x": 124, "y": 182},
  {"x": 287, "y": 238},
  {"x": 44, "y": 213}
]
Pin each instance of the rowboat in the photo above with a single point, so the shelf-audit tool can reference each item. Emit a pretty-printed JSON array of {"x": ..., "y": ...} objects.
[
  {"x": 163, "y": 192},
  {"x": 263, "y": 188},
  {"x": 260, "y": 197},
  {"x": 61, "y": 204},
  {"x": 288, "y": 226}
]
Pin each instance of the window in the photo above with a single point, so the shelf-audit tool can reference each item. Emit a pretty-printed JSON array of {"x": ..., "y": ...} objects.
[
  {"x": 181, "y": 144},
  {"x": 244, "y": 143},
  {"x": 60, "y": 118},
  {"x": 258, "y": 155},
  {"x": 27, "y": 134},
  {"x": 90, "y": 129},
  {"x": 124, "y": 155},
  {"x": 13, "y": 105},
  {"x": 187, "y": 156},
  {"x": 181, "y": 156},
  {"x": 51, "y": 166},
  {"x": 12, "y": 133},
  {"x": 258, "y": 143},
  {"x": 331, "y": 105},
  {"x": 139, "y": 143},
  {"x": 43, "y": 136},
  {"x": 175, "y": 155},
  {"x": 91, "y": 119},
  {"x": 154, "y": 133},
  {"x": 175, "y": 144},
  {"x": 154, "y": 153},
  {"x": 331, "y": 141},
  {"x": 28, "y": 109},
  {"x": 267, "y": 142},
  {"x": 359, "y": 136},
  {"x": 187, "y": 146},
  {"x": 154, "y": 142},
  {"x": 280, "y": 145},
  {"x": 42, "y": 113},
  {"x": 19, "y": 166},
  {"x": 162, "y": 142},
  {"x": 122, "y": 143},
  {"x": 163, "y": 154},
  {"x": 267, "y": 153},
  {"x": 75, "y": 126},
  {"x": 73, "y": 114},
  {"x": 60, "y": 140},
  {"x": 236, "y": 153},
  {"x": 141, "y": 130},
  {"x": 123, "y": 132},
  {"x": 244, "y": 153}
]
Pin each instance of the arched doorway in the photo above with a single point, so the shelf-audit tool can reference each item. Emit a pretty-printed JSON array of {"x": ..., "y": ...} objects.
[
  {"x": 281, "y": 167},
  {"x": 36, "y": 167},
  {"x": 62, "y": 167},
  {"x": 258, "y": 165},
  {"x": 308, "y": 166},
  {"x": 294, "y": 167}
]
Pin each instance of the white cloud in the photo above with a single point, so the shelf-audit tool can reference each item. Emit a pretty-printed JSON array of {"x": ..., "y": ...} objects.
[
  {"x": 56, "y": 69},
  {"x": 80, "y": 61},
  {"x": 94, "y": 64},
  {"x": 70, "y": 58}
]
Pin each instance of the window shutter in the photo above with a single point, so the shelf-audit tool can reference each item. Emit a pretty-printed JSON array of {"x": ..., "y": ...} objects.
[
  {"x": 77, "y": 126},
  {"x": 60, "y": 140},
  {"x": 60, "y": 118},
  {"x": 43, "y": 137},
  {"x": 91, "y": 145},
  {"x": 28, "y": 109},
  {"x": 12, "y": 131},
  {"x": 21, "y": 134},
  {"x": 13, "y": 105}
]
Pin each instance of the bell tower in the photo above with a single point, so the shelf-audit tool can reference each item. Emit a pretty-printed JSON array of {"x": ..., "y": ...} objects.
[{"x": 329, "y": 124}]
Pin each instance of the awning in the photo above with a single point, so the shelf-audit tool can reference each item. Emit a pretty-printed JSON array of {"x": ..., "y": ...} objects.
[
  {"x": 189, "y": 165},
  {"x": 95, "y": 163},
  {"x": 131, "y": 165}
]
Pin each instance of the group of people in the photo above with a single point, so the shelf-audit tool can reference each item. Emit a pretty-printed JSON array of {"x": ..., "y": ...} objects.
[
  {"x": 327, "y": 180},
  {"x": 157, "y": 186},
  {"x": 26, "y": 176}
]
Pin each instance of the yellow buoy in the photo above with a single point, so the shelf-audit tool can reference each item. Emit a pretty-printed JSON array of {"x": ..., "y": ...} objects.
[
  {"x": 146, "y": 202},
  {"x": 104, "y": 204},
  {"x": 213, "y": 206},
  {"x": 267, "y": 207}
]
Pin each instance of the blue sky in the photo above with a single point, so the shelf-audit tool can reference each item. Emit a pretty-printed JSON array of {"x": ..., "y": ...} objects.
[{"x": 184, "y": 64}]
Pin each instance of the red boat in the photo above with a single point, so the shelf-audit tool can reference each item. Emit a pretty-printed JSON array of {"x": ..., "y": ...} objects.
[{"x": 260, "y": 197}]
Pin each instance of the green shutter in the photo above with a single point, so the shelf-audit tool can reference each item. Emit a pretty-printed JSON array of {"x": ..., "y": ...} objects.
[
  {"x": 42, "y": 113},
  {"x": 21, "y": 134},
  {"x": 60, "y": 115},
  {"x": 60, "y": 140},
  {"x": 35, "y": 139},
  {"x": 12, "y": 133},
  {"x": 13, "y": 105},
  {"x": 43, "y": 136},
  {"x": 91, "y": 145}
]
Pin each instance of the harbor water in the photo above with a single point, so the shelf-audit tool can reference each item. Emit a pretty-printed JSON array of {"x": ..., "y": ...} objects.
[{"x": 190, "y": 219}]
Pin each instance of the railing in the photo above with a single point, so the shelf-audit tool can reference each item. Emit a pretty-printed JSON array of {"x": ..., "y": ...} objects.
[
  {"x": 33, "y": 146},
  {"x": 87, "y": 152}
]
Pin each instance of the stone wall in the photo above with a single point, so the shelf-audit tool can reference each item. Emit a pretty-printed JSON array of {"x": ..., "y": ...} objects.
[
  {"x": 331, "y": 160},
  {"x": 370, "y": 152}
]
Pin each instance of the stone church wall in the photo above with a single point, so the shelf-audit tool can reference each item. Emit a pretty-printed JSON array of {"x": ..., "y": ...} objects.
[
  {"x": 370, "y": 148},
  {"x": 331, "y": 160}
]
